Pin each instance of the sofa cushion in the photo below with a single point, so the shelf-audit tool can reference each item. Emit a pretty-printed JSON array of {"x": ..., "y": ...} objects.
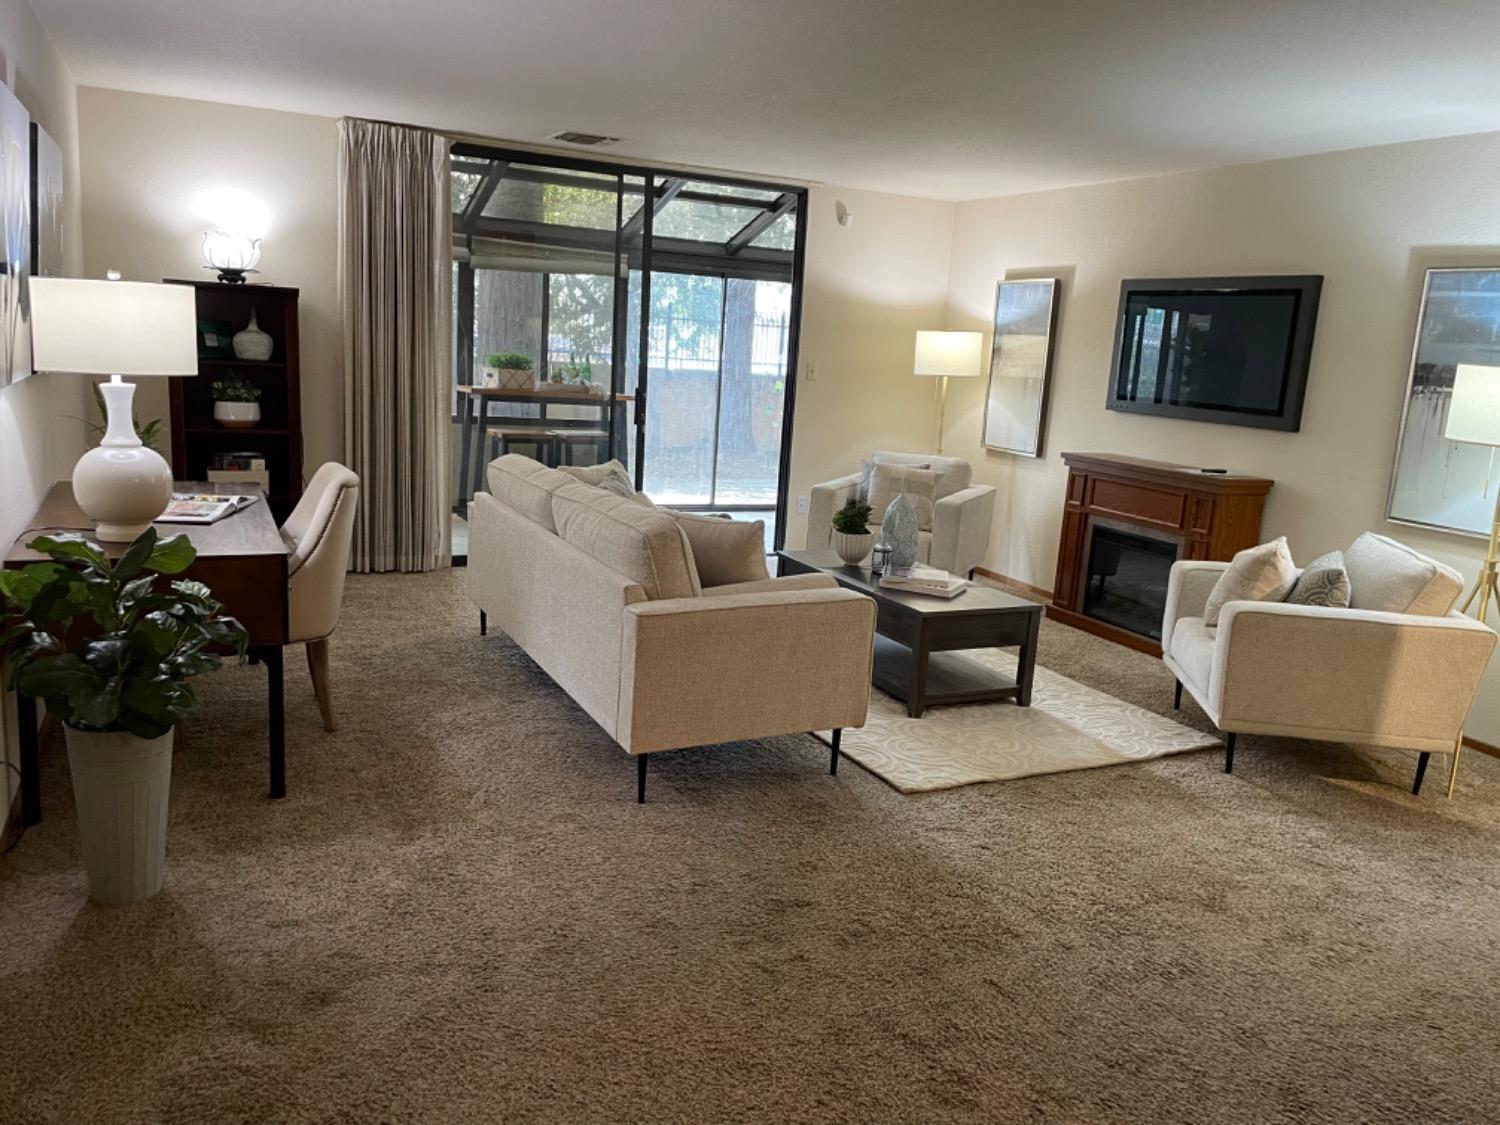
[
  {"x": 526, "y": 486},
  {"x": 953, "y": 473},
  {"x": 1390, "y": 577},
  {"x": 725, "y": 551},
  {"x": 1257, "y": 574},
  {"x": 1192, "y": 649},
  {"x": 644, "y": 544},
  {"x": 1324, "y": 582},
  {"x": 610, "y": 476}
]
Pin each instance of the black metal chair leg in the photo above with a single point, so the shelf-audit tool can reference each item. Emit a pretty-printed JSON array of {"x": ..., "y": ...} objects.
[
  {"x": 833, "y": 761},
  {"x": 1416, "y": 786},
  {"x": 1229, "y": 753},
  {"x": 484, "y": 624},
  {"x": 640, "y": 779},
  {"x": 1177, "y": 696}
]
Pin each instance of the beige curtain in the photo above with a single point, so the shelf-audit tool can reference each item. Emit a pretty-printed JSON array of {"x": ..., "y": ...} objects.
[{"x": 395, "y": 250}]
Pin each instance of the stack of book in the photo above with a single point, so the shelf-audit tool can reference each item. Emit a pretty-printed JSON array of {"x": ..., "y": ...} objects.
[{"x": 919, "y": 579}]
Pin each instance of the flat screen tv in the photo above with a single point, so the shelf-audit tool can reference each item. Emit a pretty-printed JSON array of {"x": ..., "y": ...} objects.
[{"x": 1215, "y": 349}]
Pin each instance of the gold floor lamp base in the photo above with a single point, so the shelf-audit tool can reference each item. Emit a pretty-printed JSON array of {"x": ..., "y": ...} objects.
[{"x": 1487, "y": 589}]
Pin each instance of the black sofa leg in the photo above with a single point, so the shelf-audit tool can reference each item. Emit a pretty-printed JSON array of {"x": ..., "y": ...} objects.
[
  {"x": 1229, "y": 753},
  {"x": 1177, "y": 696},
  {"x": 484, "y": 624},
  {"x": 640, "y": 779},
  {"x": 833, "y": 760},
  {"x": 1416, "y": 786}
]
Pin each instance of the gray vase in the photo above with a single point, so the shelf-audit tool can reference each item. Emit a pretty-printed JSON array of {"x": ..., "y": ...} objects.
[{"x": 899, "y": 531}]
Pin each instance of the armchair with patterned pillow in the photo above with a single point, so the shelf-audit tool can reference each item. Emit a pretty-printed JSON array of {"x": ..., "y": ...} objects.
[{"x": 953, "y": 515}]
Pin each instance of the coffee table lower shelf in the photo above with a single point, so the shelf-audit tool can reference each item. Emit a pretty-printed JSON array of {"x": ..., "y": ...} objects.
[{"x": 952, "y": 677}]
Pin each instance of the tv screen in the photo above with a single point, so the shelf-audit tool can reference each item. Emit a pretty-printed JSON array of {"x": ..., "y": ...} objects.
[{"x": 1229, "y": 349}]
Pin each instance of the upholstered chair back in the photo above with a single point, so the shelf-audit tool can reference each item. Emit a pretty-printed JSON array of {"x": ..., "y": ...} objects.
[{"x": 319, "y": 532}]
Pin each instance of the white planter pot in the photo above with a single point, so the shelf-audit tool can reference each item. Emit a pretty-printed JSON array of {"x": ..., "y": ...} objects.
[
  {"x": 237, "y": 415},
  {"x": 853, "y": 549},
  {"x": 121, "y": 784}
]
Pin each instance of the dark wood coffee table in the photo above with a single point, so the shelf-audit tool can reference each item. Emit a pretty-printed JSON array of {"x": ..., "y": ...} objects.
[{"x": 916, "y": 657}]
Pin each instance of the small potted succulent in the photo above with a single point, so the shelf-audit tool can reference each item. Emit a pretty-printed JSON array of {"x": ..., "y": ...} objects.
[
  {"x": 111, "y": 653},
  {"x": 506, "y": 369},
  {"x": 851, "y": 531},
  {"x": 236, "y": 402}
]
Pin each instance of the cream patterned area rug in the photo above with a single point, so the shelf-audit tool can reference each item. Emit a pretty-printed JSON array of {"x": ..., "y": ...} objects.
[{"x": 1067, "y": 727}]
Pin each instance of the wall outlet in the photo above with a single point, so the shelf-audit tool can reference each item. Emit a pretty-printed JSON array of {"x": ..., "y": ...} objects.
[
  {"x": 812, "y": 371},
  {"x": 802, "y": 505}
]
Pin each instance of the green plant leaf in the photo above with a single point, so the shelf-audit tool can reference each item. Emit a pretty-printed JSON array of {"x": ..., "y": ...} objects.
[
  {"x": 68, "y": 547},
  {"x": 172, "y": 555},
  {"x": 136, "y": 555}
]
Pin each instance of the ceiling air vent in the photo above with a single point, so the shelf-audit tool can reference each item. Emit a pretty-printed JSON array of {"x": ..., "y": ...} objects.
[{"x": 590, "y": 139}]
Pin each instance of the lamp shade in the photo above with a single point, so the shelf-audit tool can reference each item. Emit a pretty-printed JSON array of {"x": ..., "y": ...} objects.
[
  {"x": 1474, "y": 409},
  {"x": 90, "y": 327},
  {"x": 955, "y": 354}
]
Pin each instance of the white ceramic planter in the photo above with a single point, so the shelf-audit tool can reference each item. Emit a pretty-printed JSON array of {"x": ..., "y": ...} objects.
[
  {"x": 121, "y": 784},
  {"x": 853, "y": 549},
  {"x": 237, "y": 415}
]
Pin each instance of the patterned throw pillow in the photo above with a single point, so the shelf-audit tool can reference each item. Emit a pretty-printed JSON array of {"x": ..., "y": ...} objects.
[
  {"x": 920, "y": 486},
  {"x": 1257, "y": 574},
  {"x": 1325, "y": 582}
]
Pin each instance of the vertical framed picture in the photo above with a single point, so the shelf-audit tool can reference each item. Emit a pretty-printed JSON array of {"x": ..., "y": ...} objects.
[
  {"x": 1015, "y": 405},
  {"x": 46, "y": 205},
  {"x": 15, "y": 229},
  {"x": 1437, "y": 483}
]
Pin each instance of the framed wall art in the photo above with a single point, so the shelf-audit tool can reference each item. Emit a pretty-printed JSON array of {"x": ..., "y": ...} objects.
[
  {"x": 1437, "y": 483},
  {"x": 1015, "y": 405},
  {"x": 15, "y": 229}
]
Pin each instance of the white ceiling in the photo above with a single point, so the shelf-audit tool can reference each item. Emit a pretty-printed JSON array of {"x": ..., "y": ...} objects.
[{"x": 954, "y": 99}]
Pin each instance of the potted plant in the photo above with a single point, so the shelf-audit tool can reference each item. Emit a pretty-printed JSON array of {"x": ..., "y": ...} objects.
[
  {"x": 112, "y": 654},
  {"x": 236, "y": 402},
  {"x": 851, "y": 531},
  {"x": 506, "y": 369}
]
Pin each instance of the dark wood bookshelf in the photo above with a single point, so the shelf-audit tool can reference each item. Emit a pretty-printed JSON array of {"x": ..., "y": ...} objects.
[{"x": 197, "y": 438}]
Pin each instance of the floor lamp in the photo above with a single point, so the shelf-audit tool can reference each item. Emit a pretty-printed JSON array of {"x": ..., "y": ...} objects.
[
  {"x": 947, "y": 355},
  {"x": 1474, "y": 418}
]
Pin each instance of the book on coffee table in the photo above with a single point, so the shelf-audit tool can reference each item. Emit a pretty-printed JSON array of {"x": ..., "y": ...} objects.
[{"x": 919, "y": 579}]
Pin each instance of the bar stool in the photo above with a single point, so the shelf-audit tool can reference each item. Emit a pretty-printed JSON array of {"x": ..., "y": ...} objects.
[
  {"x": 569, "y": 440},
  {"x": 544, "y": 441}
]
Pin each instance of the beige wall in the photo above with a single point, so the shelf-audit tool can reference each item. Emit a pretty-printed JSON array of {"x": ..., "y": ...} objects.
[
  {"x": 868, "y": 288},
  {"x": 1369, "y": 220},
  {"x": 38, "y": 440},
  {"x": 147, "y": 163}
]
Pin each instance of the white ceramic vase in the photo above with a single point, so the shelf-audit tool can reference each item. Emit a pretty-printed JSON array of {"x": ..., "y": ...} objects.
[
  {"x": 853, "y": 549},
  {"x": 251, "y": 343},
  {"x": 121, "y": 784},
  {"x": 237, "y": 415},
  {"x": 120, "y": 484}
]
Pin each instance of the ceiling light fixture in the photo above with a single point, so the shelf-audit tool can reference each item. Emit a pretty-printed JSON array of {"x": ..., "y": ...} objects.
[{"x": 588, "y": 140}]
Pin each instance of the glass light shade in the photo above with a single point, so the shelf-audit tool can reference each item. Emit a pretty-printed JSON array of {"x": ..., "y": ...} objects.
[
  {"x": 955, "y": 354},
  {"x": 230, "y": 254},
  {"x": 1474, "y": 408},
  {"x": 90, "y": 327}
]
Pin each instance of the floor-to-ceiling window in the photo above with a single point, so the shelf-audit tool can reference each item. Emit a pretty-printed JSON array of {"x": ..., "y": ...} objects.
[{"x": 690, "y": 388}]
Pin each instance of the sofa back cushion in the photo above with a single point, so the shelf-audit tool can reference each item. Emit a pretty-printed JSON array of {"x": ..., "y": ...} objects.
[
  {"x": 953, "y": 473},
  {"x": 644, "y": 544},
  {"x": 527, "y": 486},
  {"x": 1389, "y": 576}
]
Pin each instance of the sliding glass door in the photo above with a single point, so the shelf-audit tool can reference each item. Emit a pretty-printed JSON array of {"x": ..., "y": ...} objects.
[{"x": 669, "y": 304}]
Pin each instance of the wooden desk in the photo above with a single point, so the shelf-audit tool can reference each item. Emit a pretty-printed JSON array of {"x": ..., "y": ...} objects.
[
  {"x": 473, "y": 407},
  {"x": 242, "y": 559}
]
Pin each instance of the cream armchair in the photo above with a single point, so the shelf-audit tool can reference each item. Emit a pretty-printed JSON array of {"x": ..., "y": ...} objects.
[
  {"x": 1375, "y": 677},
  {"x": 962, "y": 514},
  {"x": 319, "y": 532}
]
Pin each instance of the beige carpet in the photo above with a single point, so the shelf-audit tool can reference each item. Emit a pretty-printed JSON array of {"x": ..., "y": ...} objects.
[
  {"x": 460, "y": 914},
  {"x": 1069, "y": 726}
]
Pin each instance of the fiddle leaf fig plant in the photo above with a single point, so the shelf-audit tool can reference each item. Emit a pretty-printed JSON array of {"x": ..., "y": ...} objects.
[{"x": 127, "y": 663}]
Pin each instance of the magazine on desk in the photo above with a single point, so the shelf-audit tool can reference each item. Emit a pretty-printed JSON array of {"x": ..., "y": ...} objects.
[
  {"x": 919, "y": 579},
  {"x": 204, "y": 507}
]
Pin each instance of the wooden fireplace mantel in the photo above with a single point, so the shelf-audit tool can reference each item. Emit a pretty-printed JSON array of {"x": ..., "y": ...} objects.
[{"x": 1206, "y": 515}]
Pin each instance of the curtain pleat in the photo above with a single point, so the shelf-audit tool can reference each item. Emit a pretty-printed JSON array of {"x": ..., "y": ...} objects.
[{"x": 395, "y": 253}]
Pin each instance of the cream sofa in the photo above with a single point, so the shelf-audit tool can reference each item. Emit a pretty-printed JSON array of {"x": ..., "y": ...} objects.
[
  {"x": 603, "y": 593},
  {"x": 1397, "y": 668},
  {"x": 962, "y": 513}
]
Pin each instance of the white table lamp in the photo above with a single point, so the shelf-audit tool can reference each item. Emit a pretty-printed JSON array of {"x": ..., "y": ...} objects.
[
  {"x": 946, "y": 355},
  {"x": 116, "y": 328}
]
